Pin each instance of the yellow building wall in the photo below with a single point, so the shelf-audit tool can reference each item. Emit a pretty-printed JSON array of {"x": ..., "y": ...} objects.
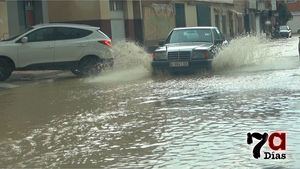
[
  {"x": 104, "y": 9},
  {"x": 157, "y": 23},
  {"x": 3, "y": 20},
  {"x": 128, "y": 9},
  {"x": 73, "y": 10},
  {"x": 191, "y": 15}
]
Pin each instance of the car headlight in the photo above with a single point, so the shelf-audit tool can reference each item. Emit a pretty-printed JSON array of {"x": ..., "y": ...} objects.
[
  {"x": 201, "y": 54},
  {"x": 160, "y": 56}
]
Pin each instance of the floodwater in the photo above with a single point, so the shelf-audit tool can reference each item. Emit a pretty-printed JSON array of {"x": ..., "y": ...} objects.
[{"x": 127, "y": 118}]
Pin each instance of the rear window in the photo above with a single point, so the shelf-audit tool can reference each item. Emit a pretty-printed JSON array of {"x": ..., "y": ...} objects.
[
  {"x": 70, "y": 33},
  {"x": 283, "y": 28},
  {"x": 103, "y": 34}
]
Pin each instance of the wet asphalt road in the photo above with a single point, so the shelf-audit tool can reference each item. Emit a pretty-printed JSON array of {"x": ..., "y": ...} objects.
[{"x": 130, "y": 119}]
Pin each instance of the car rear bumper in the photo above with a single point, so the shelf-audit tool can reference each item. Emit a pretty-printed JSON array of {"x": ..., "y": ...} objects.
[{"x": 193, "y": 65}]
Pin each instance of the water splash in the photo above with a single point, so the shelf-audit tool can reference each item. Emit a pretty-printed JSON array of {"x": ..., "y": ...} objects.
[
  {"x": 242, "y": 51},
  {"x": 256, "y": 53},
  {"x": 129, "y": 55},
  {"x": 131, "y": 62}
]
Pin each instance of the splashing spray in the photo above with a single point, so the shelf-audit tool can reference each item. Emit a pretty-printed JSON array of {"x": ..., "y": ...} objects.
[
  {"x": 131, "y": 62},
  {"x": 242, "y": 51}
]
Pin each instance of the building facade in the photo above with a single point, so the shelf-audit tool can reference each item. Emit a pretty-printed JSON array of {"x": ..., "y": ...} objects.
[
  {"x": 160, "y": 17},
  {"x": 118, "y": 19},
  {"x": 294, "y": 7},
  {"x": 262, "y": 15},
  {"x": 15, "y": 16},
  {"x": 144, "y": 21}
]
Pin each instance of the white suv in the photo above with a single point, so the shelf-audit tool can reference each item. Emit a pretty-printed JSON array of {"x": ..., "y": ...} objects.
[{"x": 80, "y": 48}]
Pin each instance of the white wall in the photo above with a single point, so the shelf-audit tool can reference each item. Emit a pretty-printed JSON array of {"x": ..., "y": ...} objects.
[{"x": 294, "y": 24}]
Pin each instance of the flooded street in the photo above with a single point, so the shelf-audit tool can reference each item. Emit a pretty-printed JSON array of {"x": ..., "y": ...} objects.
[{"x": 131, "y": 119}]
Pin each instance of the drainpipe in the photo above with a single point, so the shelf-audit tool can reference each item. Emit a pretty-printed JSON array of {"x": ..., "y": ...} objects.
[
  {"x": 142, "y": 23},
  {"x": 141, "y": 9}
]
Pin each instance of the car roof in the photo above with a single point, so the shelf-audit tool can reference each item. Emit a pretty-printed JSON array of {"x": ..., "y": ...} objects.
[
  {"x": 66, "y": 25},
  {"x": 198, "y": 27}
]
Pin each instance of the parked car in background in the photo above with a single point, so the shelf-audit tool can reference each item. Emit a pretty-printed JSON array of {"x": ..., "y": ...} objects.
[
  {"x": 82, "y": 49},
  {"x": 285, "y": 31},
  {"x": 188, "y": 48}
]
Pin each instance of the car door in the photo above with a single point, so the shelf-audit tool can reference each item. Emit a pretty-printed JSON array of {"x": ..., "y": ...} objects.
[
  {"x": 38, "y": 50},
  {"x": 69, "y": 44}
]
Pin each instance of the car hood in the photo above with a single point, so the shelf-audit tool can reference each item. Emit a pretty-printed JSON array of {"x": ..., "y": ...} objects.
[{"x": 186, "y": 46}]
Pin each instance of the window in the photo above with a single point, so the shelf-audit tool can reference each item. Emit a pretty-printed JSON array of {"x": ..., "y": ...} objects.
[
  {"x": 284, "y": 28},
  {"x": 43, "y": 34},
  {"x": 62, "y": 33},
  {"x": 116, "y": 5},
  {"x": 203, "y": 15}
]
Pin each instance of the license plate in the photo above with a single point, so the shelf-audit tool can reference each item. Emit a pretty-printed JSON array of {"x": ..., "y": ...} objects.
[{"x": 179, "y": 64}]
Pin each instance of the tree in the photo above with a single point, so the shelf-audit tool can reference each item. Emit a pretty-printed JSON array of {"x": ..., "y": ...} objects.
[{"x": 284, "y": 15}]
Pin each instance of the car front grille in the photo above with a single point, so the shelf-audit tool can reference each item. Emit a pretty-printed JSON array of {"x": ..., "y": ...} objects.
[{"x": 179, "y": 55}]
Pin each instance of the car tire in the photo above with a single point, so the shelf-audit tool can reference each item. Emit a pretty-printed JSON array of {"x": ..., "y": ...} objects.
[
  {"x": 89, "y": 66},
  {"x": 5, "y": 69}
]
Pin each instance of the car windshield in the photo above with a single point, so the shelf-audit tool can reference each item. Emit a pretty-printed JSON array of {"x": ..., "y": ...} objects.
[
  {"x": 14, "y": 37},
  {"x": 191, "y": 35}
]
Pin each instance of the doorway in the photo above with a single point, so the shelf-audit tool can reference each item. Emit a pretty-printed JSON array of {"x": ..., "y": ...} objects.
[{"x": 180, "y": 15}]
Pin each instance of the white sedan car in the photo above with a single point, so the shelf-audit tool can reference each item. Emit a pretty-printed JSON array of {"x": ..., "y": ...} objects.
[{"x": 82, "y": 49}]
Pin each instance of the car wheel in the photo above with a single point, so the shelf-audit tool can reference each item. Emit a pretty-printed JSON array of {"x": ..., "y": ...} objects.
[
  {"x": 5, "y": 70},
  {"x": 89, "y": 66}
]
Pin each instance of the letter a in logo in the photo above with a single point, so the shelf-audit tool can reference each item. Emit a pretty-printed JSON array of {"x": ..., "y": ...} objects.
[{"x": 276, "y": 146}]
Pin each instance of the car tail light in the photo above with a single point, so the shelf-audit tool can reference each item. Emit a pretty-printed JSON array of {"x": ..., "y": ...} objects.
[{"x": 106, "y": 42}]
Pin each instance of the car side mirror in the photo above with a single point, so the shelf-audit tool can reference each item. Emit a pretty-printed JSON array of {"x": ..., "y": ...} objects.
[
  {"x": 218, "y": 41},
  {"x": 24, "y": 39},
  {"x": 161, "y": 43}
]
